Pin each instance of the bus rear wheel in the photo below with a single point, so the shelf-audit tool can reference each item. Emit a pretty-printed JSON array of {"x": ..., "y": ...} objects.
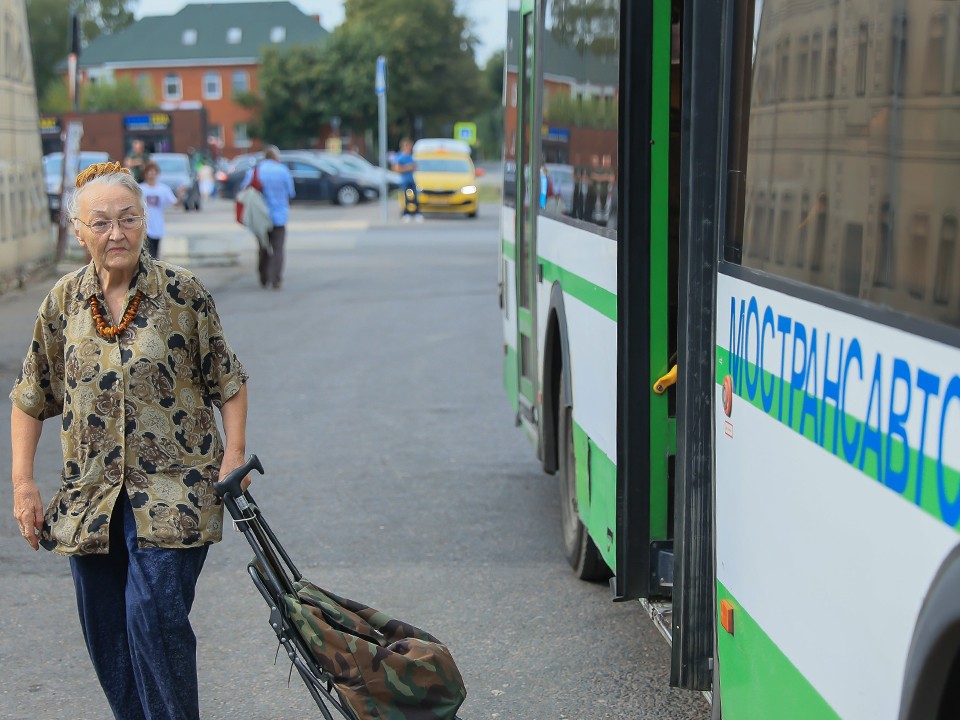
[{"x": 579, "y": 548}]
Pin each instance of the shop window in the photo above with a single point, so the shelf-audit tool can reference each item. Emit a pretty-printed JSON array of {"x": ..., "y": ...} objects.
[
  {"x": 830, "y": 79},
  {"x": 933, "y": 66},
  {"x": 863, "y": 41},
  {"x": 946, "y": 261},
  {"x": 816, "y": 48},
  {"x": 898, "y": 55},
  {"x": 916, "y": 265},
  {"x": 883, "y": 267},
  {"x": 800, "y": 85}
]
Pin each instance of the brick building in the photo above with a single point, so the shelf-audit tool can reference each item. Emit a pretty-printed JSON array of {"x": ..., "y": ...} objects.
[{"x": 199, "y": 58}]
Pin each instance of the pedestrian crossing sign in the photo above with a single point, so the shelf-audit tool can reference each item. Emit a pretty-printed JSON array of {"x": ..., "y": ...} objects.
[{"x": 466, "y": 131}]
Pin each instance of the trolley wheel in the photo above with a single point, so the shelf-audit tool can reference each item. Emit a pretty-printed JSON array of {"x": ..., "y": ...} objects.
[{"x": 581, "y": 552}]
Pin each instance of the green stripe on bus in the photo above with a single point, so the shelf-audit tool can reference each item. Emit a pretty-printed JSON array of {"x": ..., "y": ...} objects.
[
  {"x": 596, "y": 493},
  {"x": 591, "y": 294},
  {"x": 508, "y": 249},
  {"x": 920, "y": 488},
  {"x": 757, "y": 680}
]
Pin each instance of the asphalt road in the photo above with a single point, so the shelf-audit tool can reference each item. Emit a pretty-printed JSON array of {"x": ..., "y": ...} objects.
[{"x": 394, "y": 475}]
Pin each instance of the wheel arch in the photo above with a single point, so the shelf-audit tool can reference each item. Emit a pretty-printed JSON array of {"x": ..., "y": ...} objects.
[
  {"x": 933, "y": 661},
  {"x": 556, "y": 355}
]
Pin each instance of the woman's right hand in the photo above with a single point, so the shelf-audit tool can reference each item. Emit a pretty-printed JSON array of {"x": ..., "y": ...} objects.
[{"x": 28, "y": 510}]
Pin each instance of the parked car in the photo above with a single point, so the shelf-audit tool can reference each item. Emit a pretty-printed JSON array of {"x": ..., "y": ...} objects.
[
  {"x": 316, "y": 176},
  {"x": 177, "y": 173},
  {"x": 358, "y": 164},
  {"x": 230, "y": 178},
  {"x": 53, "y": 177}
]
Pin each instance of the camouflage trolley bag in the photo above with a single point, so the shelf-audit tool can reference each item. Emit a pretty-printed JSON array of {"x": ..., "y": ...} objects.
[{"x": 356, "y": 661}]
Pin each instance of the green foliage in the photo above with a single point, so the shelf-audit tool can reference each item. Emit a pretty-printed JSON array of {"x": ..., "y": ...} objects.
[
  {"x": 588, "y": 25},
  {"x": 432, "y": 74},
  {"x": 124, "y": 94},
  {"x": 55, "y": 99},
  {"x": 49, "y": 24},
  {"x": 593, "y": 112},
  {"x": 289, "y": 107}
]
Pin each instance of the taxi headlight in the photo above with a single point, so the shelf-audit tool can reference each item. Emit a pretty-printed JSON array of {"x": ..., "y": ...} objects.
[{"x": 469, "y": 189}]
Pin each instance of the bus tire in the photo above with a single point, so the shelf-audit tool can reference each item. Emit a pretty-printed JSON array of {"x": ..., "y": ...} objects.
[{"x": 579, "y": 548}]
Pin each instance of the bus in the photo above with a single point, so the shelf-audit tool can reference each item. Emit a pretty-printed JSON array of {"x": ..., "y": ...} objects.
[
  {"x": 26, "y": 242},
  {"x": 734, "y": 337}
]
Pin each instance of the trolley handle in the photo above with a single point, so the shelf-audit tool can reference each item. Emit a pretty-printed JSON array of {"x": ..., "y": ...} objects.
[{"x": 230, "y": 485}]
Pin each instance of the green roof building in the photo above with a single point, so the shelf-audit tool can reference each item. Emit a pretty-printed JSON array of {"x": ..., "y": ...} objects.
[{"x": 201, "y": 57}]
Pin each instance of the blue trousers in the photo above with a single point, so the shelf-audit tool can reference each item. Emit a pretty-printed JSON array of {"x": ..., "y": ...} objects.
[
  {"x": 134, "y": 606},
  {"x": 411, "y": 202}
]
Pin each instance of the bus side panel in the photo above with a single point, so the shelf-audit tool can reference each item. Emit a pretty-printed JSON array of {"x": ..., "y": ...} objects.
[
  {"x": 832, "y": 519},
  {"x": 508, "y": 300},
  {"x": 590, "y": 304}
]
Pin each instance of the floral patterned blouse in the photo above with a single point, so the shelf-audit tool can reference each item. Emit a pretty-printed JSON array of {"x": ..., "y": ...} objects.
[{"x": 137, "y": 410}]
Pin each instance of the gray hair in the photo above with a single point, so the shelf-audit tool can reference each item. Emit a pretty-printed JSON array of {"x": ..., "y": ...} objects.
[
  {"x": 121, "y": 178},
  {"x": 271, "y": 152}
]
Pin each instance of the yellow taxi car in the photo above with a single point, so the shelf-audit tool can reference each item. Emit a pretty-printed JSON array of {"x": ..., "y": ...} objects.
[{"x": 445, "y": 176}]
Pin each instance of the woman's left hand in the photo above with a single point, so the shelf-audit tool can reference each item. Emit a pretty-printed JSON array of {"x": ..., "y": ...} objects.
[{"x": 231, "y": 461}]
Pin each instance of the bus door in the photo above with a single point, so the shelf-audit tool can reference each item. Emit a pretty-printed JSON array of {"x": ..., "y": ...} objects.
[{"x": 526, "y": 223}]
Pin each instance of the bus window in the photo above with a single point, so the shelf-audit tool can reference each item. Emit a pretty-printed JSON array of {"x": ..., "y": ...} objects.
[
  {"x": 578, "y": 140},
  {"x": 861, "y": 152}
]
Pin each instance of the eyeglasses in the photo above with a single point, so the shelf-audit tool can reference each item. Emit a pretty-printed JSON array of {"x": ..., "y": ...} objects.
[{"x": 103, "y": 227}]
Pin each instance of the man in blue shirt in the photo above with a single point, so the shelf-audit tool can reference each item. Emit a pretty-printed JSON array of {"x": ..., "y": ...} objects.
[
  {"x": 405, "y": 165},
  {"x": 274, "y": 180}
]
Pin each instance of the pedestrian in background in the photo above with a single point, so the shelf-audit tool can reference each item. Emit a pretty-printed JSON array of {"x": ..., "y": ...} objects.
[
  {"x": 158, "y": 197},
  {"x": 136, "y": 160},
  {"x": 276, "y": 184},
  {"x": 405, "y": 165},
  {"x": 130, "y": 352}
]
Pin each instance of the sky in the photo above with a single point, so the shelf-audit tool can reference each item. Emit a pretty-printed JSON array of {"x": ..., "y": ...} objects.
[{"x": 489, "y": 17}]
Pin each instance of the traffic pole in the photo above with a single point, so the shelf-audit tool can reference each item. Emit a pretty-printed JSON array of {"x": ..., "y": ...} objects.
[{"x": 380, "y": 85}]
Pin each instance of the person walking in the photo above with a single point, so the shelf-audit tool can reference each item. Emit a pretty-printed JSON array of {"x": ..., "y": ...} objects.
[
  {"x": 276, "y": 184},
  {"x": 405, "y": 165},
  {"x": 158, "y": 197},
  {"x": 130, "y": 352},
  {"x": 136, "y": 160}
]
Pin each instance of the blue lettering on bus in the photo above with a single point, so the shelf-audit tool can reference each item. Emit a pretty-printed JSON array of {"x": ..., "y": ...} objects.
[
  {"x": 949, "y": 508},
  {"x": 753, "y": 318},
  {"x": 821, "y": 371},
  {"x": 766, "y": 396},
  {"x": 929, "y": 385},
  {"x": 896, "y": 478}
]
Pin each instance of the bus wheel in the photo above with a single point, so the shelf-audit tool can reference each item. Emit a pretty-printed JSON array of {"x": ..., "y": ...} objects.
[{"x": 581, "y": 552}]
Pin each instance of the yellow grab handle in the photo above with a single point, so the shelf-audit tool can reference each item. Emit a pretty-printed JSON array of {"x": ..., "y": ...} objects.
[{"x": 661, "y": 385}]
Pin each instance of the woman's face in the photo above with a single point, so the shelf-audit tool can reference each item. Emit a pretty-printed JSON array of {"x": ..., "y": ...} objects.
[{"x": 115, "y": 250}]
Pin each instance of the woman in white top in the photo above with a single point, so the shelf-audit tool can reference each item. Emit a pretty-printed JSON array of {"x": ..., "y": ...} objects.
[{"x": 158, "y": 197}]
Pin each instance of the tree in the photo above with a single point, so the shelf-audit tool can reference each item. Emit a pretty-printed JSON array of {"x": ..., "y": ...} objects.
[
  {"x": 49, "y": 23},
  {"x": 587, "y": 25},
  {"x": 289, "y": 106},
  {"x": 432, "y": 72},
  {"x": 124, "y": 94}
]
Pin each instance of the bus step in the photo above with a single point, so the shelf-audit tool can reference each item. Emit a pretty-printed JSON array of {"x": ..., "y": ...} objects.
[{"x": 661, "y": 612}]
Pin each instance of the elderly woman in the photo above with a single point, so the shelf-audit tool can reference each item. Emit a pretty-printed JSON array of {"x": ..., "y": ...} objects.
[{"x": 129, "y": 352}]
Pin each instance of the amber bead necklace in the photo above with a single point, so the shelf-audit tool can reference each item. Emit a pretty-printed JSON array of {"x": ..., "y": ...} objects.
[{"x": 111, "y": 331}]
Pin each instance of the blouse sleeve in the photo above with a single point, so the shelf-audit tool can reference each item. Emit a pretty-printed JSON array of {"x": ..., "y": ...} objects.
[
  {"x": 39, "y": 387},
  {"x": 222, "y": 373}
]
